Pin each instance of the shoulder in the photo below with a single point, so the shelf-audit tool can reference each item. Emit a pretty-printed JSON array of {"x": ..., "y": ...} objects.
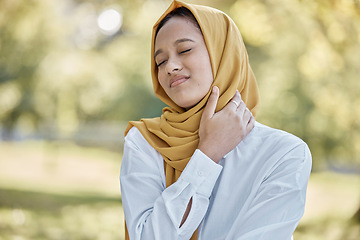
[
  {"x": 267, "y": 132},
  {"x": 139, "y": 153},
  {"x": 274, "y": 147},
  {"x": 276, "y": 139},
  {"x": 134, "y": 134},
  {"x": 135, "y": 139},
  {"x": 288, "y": 155}
]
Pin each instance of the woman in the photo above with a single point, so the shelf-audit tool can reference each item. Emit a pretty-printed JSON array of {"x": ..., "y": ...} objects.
[{"x": 205, "y": 169}]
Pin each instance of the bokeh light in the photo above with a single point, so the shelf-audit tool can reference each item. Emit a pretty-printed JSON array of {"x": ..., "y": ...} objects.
[{"x": 109, "y": 21}]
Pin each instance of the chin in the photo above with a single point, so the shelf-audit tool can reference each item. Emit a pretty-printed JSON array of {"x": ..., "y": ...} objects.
[
  {"x": 186, "y": 101},
  {"x": 187, "y": 105}
]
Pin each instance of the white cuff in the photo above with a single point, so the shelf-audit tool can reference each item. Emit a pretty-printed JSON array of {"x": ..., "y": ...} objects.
[{"x": 202, "y": 173}]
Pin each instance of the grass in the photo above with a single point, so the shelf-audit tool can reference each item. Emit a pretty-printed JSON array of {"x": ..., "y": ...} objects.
[
  {"x": 34, "y": 215},
  {"x": 56, "y": 191},
  {"x": 60, "y": 191},
  {"x": 332, "y": 200}
]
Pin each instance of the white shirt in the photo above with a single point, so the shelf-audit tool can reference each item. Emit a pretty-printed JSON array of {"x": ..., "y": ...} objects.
[{"x": 257, "y": 191}]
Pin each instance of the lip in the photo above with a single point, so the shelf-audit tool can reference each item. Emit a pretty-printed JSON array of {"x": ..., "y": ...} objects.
[{"x": 177, "y": 80}]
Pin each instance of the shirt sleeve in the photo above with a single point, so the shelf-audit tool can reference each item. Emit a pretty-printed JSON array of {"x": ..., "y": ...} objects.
[
  {"x": 279, "y": 202},
  {"x": 153, "y": 211}
]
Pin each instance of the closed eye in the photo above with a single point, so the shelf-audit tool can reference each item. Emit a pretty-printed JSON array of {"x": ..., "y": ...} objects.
[
  {"x": 158, "y": 65},
  {"x": 185, "y": 51}
]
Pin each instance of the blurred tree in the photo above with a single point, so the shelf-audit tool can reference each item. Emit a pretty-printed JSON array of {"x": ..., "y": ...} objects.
[
  {"x": 58, "y": 70},
  {"x": 305, "y": 55},
  {"x": 22, "y": 47}
]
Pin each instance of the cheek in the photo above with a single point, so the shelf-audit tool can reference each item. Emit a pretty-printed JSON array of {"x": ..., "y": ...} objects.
[
  {"x": 207, "y": 64},
  {"x": 202, "y": 63},
  {"x": 162, "y": 79},
  {"x": 204, "y": 67}
]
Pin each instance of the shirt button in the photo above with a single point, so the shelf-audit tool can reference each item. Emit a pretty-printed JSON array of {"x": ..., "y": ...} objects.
[{"x": 200, "y": 173}]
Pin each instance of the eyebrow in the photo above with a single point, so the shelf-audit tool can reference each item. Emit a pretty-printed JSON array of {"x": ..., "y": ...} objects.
[{"x": 175, "y": 43}]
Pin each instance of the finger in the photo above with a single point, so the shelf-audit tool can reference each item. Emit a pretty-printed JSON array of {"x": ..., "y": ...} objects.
[
  {"x": 241, "y": 109},
  {"x": 247, "y": 115},
  {"x": 234, "y": 102},
  {"x": 210, "y": 107},
  {"x": 251, "y": 124}
]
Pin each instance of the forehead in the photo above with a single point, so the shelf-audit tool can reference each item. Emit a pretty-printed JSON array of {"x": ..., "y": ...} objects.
[{"x": 175, "y": 28}]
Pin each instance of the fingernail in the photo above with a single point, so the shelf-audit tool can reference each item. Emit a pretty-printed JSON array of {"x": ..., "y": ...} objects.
[{"x": 214, "y": 89}]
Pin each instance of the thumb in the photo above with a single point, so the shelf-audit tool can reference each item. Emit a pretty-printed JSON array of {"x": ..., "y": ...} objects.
[{"x": 210, "y": 107}]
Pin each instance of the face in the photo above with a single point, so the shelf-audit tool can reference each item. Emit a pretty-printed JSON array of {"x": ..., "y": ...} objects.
[{"x": 184, "y": 68}]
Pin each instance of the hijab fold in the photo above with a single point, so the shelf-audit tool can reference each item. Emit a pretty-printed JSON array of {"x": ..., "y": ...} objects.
[{"x": 175, "y": 133}]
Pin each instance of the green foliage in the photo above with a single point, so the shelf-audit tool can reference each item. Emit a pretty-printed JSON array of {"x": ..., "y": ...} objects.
[
  {"x": 22, "y": 46},
  {"x": 305, "y": 55},
  {"x": 57, "y": 69}
]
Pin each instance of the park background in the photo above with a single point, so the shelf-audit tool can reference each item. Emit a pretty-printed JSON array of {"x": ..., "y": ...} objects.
[{"x": 73, "y": 72}]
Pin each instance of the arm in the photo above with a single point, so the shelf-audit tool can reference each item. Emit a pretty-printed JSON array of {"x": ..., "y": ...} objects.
[
  {"x": 279, "y": 202},
  {"x": 149, "y": 207}
]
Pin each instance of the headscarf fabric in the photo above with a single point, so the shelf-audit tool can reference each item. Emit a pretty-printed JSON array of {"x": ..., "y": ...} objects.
[{"x": 175, "y": 133}]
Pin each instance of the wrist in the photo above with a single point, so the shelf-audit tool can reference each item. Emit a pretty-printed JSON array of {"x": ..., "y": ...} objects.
[{"x": 210, "y": 153}]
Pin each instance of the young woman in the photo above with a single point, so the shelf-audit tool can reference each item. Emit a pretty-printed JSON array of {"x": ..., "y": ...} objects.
[{"x": 205, "y": 169}]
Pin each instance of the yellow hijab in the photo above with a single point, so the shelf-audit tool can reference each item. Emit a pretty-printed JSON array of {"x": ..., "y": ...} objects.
[{"x": 175, "y": 133}]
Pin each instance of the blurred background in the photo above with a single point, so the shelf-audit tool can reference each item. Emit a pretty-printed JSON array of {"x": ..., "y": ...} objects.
[{"x": 73, "y": 72}]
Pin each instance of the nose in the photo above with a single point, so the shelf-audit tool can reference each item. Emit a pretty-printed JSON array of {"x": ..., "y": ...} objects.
[{"x": 173, "y": 65}]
